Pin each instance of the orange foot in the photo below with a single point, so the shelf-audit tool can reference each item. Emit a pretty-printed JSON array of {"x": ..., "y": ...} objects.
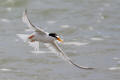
[{"x": 30, "y": 37}]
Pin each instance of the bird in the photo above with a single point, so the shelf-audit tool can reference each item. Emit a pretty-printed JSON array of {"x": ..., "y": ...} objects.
[{"x": 51, "y": 38}]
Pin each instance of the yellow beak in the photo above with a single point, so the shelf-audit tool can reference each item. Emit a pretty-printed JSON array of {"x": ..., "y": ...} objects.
[{"x": 59, "y": 39}]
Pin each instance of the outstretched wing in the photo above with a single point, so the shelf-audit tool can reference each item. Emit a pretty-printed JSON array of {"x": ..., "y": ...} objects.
[
  {"x": 65, "y": 57},
  {"x": 30, "y": 25}
]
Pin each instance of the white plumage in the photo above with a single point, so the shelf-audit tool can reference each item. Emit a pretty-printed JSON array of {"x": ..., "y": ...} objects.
[{"x": 42, "y": 36}]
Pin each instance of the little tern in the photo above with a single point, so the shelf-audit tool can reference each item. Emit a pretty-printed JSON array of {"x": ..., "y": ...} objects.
[{"x": 41, "y": 36}]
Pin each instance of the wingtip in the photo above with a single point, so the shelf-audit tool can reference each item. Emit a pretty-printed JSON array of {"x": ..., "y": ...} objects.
[
  {"x": 24, "y": 15},
  {"x": 25, "y": 11},
  {"x": 81, "y": 67}
]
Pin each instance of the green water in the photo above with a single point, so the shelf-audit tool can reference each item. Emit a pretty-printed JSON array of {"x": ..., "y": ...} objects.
[{"x": 91, "y": 31}]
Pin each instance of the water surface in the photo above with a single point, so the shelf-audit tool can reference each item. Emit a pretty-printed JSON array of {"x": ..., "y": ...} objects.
[{"x": 90, "y": 28}]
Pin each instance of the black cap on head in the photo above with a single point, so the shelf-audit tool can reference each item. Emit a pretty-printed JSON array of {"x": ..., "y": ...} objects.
[{"x": 53, "y": 35}]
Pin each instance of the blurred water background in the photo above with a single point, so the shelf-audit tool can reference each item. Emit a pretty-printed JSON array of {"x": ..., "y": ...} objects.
[{"x": 91, "y": 31}]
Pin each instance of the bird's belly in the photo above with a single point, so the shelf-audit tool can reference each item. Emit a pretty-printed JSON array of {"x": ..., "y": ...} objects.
[{"x": 44, "y": 39}]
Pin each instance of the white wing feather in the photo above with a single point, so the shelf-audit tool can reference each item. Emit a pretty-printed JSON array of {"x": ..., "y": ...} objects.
[
  {"x": 30, "y": 25},
  {"x": 65, "y": 57}
]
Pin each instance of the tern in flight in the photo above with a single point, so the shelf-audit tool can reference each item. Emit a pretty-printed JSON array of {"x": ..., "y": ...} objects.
[{"x": 40, "y": 35}]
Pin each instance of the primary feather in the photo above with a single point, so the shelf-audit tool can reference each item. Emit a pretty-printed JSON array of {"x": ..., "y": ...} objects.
[
  {"x": 65, "y": 57},
  {"x": 30, "y": 25}
]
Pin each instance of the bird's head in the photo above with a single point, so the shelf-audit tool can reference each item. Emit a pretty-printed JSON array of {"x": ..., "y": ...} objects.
[{"x": 55, "y": 36}]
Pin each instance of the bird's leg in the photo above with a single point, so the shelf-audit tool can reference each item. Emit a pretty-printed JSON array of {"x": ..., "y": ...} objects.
[{"x": 32, "y": 40}]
